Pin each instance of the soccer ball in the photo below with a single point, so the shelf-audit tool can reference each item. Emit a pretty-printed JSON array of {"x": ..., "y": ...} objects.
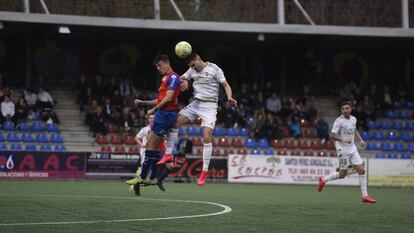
[{"x": 183, "y": 49}]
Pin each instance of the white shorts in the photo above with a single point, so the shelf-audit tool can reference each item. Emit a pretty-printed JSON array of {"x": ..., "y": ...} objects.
[
  {"x": 207, "y": 111},
  {"x": 348, "y": 159}
]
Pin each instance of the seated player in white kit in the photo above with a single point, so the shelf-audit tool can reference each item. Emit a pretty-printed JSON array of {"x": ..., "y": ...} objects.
[
  {"x": 207, "y": 79},
  {"x": 344, "y": 132}
]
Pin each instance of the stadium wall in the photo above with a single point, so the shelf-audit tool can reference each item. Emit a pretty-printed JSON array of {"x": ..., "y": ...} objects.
[{"x": 234, "y": 168}]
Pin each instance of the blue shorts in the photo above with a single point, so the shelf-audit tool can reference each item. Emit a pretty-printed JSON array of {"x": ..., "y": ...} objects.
[{"x": 163, "y": 122}]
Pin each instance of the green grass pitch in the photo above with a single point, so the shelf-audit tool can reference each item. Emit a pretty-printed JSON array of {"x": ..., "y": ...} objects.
[{"x": 255, "y": 208}]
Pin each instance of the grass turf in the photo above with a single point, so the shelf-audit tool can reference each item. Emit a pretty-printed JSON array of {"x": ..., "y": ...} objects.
[{"x": 256, "y": 208}]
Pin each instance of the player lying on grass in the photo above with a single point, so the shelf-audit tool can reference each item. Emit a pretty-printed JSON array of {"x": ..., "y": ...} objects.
[
  {"x": 344, "y": 132},
  {"x": 207, "y": 79}
]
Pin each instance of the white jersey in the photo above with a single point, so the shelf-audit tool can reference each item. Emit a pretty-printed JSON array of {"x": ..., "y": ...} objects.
[
  {"x": 206, "y": 82},
  {"x": 345, "y": 128},
  {"x": 143, "y": 135}
]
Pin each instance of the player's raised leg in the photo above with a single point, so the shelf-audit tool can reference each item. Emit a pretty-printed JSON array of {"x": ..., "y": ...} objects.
[
  {"x": 172, "y": 138},
  {"x": 362, "y": 178},
  {"x": 333, "y": 176}
]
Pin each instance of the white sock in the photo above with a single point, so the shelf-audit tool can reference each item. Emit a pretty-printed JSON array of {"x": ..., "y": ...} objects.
[
  {"x": 363, "y": 184},
  {"x": 171, "y": 140},
  {"x": 333, "y": 176},
  {"x": 207, "y": 150}
]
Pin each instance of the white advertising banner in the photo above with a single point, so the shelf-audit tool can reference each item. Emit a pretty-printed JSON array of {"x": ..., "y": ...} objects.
[
  {"x": 390, "y": 172},
  {"x": 283, "y": 169}
]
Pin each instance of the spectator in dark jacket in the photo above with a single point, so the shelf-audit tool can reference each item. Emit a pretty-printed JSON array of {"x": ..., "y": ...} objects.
[{"x": 322, "y": 128}]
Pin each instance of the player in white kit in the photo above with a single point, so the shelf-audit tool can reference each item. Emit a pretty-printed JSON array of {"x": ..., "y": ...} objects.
[
  {"x": 344, "y": 132},
  {"x": 142, "y": 137},
  {"x": 207, "y": 80}
]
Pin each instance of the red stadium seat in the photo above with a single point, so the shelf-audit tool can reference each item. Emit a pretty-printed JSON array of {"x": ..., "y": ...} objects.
[
  {"x": 116, "y": 140},
  {"x": 113, "y": 128},
  {"x": 276, "y": 144},
  {"x": 106, "y": 149},
  {"x": 332, "y": 154},
  {"x": 133, "y": 150},
  {"x": 304, "y": 123},
  {"x": 223, "y": 142},
  {"x": 199, "y": 151},
  {"x": 329, "y": 145},
  {"x": 322, "y": 154},
  {"x": 228, "y": 151},
  {"x": 310, "y": 133},
  {"x": 236, "y": 142},
  {"x": 316, "y": 145},
  {"x": 216, "y": 152},
  {"x": 242, "y": 152},
  {"x": 129, "y": 140},
  {"x": 313, "y": 123},
  {"x": 120, "y": 149},
  {"x": 289, "y": 143},
  {"x": 101, "y": 139},
  {"x": 302, "y": 144},
  {"x": 281, "y": 152},
  {"x": 197, "y": 141},
  {"x": 286, "y": 133},
  {"x": 295, "y": 153},
  {"x": 308, "y": 153}
]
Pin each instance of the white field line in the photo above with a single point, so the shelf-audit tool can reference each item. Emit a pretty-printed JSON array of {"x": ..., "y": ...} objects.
[{"x": 226, "y": 209}]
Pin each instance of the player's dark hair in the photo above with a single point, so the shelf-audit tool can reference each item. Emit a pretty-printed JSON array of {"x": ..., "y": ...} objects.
[
  {"x": 191, "y": 57},
  {"x": 343, "y": 103},
  {"x": 161, "y": 57}
]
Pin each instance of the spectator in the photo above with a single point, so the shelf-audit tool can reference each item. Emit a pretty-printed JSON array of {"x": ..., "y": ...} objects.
[
  {"x": 117, "y": 100},
  {"x": 21, "y": 110},
  {"x": 270, "y": 127},
  {"x": 125, "y": 122},
  {"x": 108, "y": 110},
  {"x": 98, "y": 86},
  {"x": 140, "y": 120},
  {"x": 273, "y": 104},
  {"x": 86, "y": 99},
  {"x": 241, "y": 115},
  {"x": 185, "y": 145},
  {"x": 44, "y": 97},
  {"x": 7, "y": 110},
  {"x": 311, "y": 107},
  {"x": 97, "y": 122},
  {"x": 130, "y": 99},
  {"x": 259, "y": 127},
  {"x": 30, "y": 98},
  {"x": 126, "y": 88},
  {"x": 227, "y": 115},
  {"x": 362, "y": 118},
  {"x": 368, "y": 107},
  {"x": 92, "y": 108},
  {"x": 244, "y": 95},
  {"x": 294, "y": 128},
  {"x": 322, "y": 128},
  {"x": 374, "y": 95},
  {"x": 111, "y": 86}
]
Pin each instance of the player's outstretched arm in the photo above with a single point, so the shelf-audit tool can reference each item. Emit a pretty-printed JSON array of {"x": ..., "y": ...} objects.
[
  {"x": 229, "y": 93},
  {"x": 145, "y": 102},
  {"x": 168, "y": 97}
]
